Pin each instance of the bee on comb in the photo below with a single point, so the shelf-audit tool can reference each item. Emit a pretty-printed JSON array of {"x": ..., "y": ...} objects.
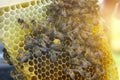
[
  {"x": 23, "y": 23},
  {"x": 7, "y": 57}
]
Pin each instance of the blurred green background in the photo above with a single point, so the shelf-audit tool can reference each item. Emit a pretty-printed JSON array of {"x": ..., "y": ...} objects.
[{"x": 116, "y": 57}]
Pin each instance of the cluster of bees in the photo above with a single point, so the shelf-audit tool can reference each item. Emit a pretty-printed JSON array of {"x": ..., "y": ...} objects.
[
  {"x": 74, "y": 27},
  {"x": 39, "y": 42},
  {"x": 67, "y": 30}
]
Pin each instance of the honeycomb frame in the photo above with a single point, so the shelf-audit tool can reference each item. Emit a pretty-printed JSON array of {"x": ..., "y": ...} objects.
[{"x": 32, "y": 69}]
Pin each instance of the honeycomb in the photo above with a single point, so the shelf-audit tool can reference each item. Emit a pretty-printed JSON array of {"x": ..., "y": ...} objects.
[{"x": 56, "y": 40}]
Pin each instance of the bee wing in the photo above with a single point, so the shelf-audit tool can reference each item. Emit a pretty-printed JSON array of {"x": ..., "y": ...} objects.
[
  {"x": 53, "y": 57},
  {"x": 43, "y": 49},
  {"x": 80, "y": 71}
]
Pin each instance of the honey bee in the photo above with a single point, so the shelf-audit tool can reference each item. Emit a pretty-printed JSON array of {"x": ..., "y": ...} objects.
[
  {"x": 7, "y": 57},
  {"x": 64, "y": 13},
  {"x": 70, "y": 73},
  {"x": 72, "y": 53},
  {"x": 80, "y": 70},
  {"x": 46, "y": 39},
  {"x": 23, "y": 23},
  {"x": 43, "y": 44},
  {"x": 23, "y": 56},
  {"x": 37, "y": 51},
  {"x": 56, "y": 47},
  {"x": 60, "y": 36},
  {"x": 48, "y": 19},
  {"x": 35, "y": 27},
  {"x": 84, "y": 35},
  {"x": 75, "y": 46},
  {"x": 91, "y": 58},
  {"x": 16, "y": 75},
  {"x": 28, "y": 42},
  {"x": 98, "y": 55},
  {"x": 33, "y": 22},
  {"x": 97, "y": 75},
  {"x": 43, "y": 49},
  {"x": 43, "y": 27},
  {"x": 53, "y": 56},
  {"x": 88, "y": 76},
  {"x": 74, "y": 61},
  {"x": 85, "y": 64}
]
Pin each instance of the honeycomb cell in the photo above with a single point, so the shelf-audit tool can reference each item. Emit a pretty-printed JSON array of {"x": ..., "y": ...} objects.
[
  {"x": 1, "y": 12},
  {"x": 16, "y": 40},
  {"x": 6, "y": 22},
  {"x": 52, "y": 66},
  {"x": 60, "y": 62},
  {"x": 21, "y": 38},
  {"x": 18, "y": 6},
  {"x": 47, "y": 62},
  {"x": 44, "y": 9},
  {"x": 60, "y": 78},
  {"x": 17, "y": 29},
  {"x": 51, "y": 71},
  {"x": 22, "y": 67},
  {"x": 35, "y": 61},
  {"x": 64, "y": 65},
  {"x": 22, "y": 32},
  {"x": 34, "y": 78},
  {"x": 6, "y": 34},
  {"x": 35, "y": 12},
  {"x": 55, "y": 74},
  {"x": 47, "y": 78},
  {"x": 59, "y": 57},
  {"x": 36, "y": 72},
  {"x": 43, "y": 58},
  {"x": 52, "y": 77},
  {"x": 43, "y": 63},
  {"x": 63, "y": 60},
  {"x": 31, "y": 13},
  {"x": 39, "y": 71},
  {"x": 11, "y": 31},
  {"x": 1, "y": 19},
  {"x": 43, "y": 70},
  {"x": 48, "y": 68},
  {"x": 55, "y": 64},
  {"x": 32, "y": 3},
  {"x": 15, "y": 47},
  {"x": 43, "y": 75},
  {"x": 6, "y": 15},
  {"x": 47, "y": 73},
  {"x": 6, "y": 9},
  {"x": 39, "y": 65},
  {"x": 24, "y": 5},
  {"x": 59, "y": 73},
  {"x": 31, "y": 63},
  {"x": 31, "y": 69},
  {"x": 64, "y": 77},
  {"x": 12, "y": 8},
  {"x": 21, "y": 44},
  {"x": 60, "y": 67},
  {"x": 44, "y": 15},
  {"x": 12, "y": 18},
  {"x": 39, "y": 76},
  {"x": 55, "y": 69},
  {"x": 1, "y": 25}
]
